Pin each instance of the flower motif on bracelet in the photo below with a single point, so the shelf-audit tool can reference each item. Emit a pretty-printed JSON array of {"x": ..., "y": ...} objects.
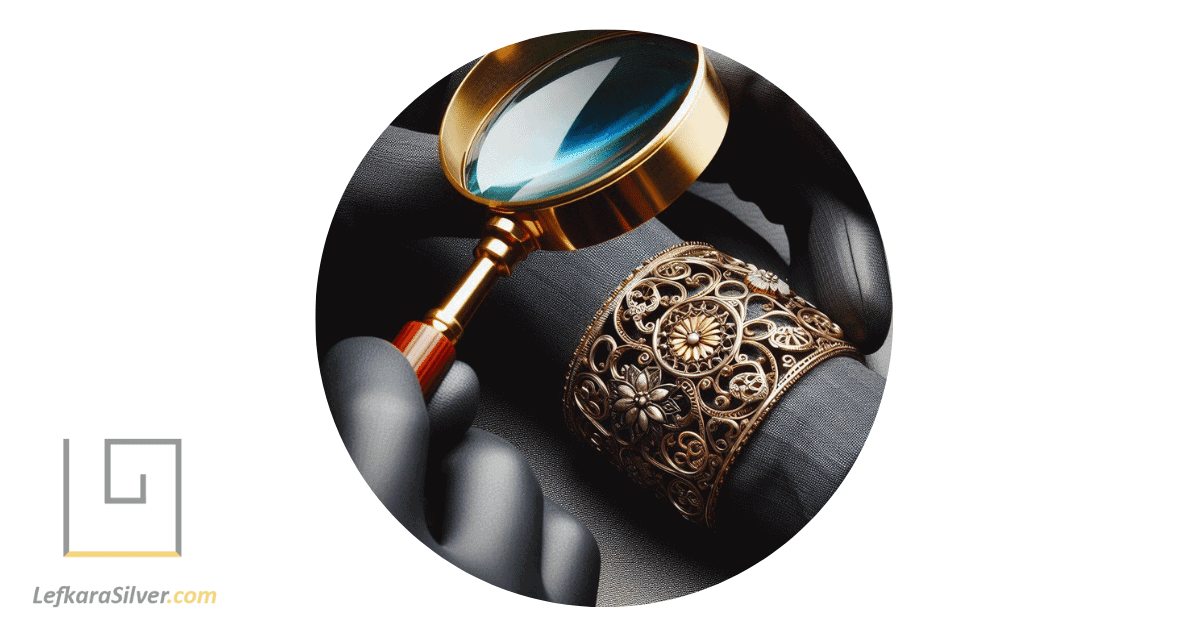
[{"x": 639, "y": 397}]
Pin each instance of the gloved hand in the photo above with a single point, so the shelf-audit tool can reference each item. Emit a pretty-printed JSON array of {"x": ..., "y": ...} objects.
[
  {"x": 467, "y": 494},
  {"x": 383, "y": 268}
]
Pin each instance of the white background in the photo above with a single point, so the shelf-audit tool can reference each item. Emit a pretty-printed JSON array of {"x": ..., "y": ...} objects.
[{"x": 169, "y": 174}]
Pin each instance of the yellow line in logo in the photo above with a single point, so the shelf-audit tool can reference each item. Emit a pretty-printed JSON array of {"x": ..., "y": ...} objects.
[{"x": 121, "y": 555}]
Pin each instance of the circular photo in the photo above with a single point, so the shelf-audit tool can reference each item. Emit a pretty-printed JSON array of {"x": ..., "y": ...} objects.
[{"x": 604, "y": 318}]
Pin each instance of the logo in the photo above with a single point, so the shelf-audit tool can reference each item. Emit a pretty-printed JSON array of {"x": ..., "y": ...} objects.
[{"x": 133, "y": 509}]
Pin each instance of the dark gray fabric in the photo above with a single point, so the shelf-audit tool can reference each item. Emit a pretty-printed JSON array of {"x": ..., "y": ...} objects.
[{"x": 802, "y": 452}]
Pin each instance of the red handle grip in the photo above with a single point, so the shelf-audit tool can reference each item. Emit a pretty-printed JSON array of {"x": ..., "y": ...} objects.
[{"x": 429, "y": 352}]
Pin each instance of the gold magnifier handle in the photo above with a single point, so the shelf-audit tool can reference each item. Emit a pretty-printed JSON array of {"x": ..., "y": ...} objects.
[
  {"x": 570, "y": 140},
  {"x": 429, "y": 344}
]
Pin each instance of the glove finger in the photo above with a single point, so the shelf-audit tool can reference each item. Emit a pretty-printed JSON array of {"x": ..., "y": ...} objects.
[
  {"x": 850, "y": 273},
  {"x": 492, "y": 523},
  {"x": 809, "y": 189},
  {"x": 452, "y": 408},
  {"x": 377, "y": 405},
  {"x": 570, "y": 558}
]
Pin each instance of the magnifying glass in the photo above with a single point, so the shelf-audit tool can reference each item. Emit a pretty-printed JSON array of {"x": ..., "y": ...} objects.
[{"x": 569, "y": 140}]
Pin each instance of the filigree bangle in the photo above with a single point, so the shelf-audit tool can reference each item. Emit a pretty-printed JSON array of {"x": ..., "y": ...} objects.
[{"x": 682, "y": 364}]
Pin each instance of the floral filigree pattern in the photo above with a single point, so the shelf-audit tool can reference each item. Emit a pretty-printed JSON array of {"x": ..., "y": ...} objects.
[
  {"x": 766, "y": 282},
  {"x": 695, "y": 337},
  {"x": 791, "y": 338},
  {"x": 638, "y": 398},
  {"x": 683, "y": 362},
  {"x": 748, "y": 386}
]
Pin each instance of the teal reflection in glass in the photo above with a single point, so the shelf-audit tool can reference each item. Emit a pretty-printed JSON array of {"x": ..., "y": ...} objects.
[{"x": 579, "y": 117}]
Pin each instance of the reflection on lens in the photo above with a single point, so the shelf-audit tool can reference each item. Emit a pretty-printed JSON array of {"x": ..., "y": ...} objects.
[{"x": 579, "y": 117}]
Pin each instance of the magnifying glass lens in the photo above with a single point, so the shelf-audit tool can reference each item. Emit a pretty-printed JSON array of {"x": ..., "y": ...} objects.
[
  {"x": 579, "y": 117},
  {"x": 570, "y": 140}
]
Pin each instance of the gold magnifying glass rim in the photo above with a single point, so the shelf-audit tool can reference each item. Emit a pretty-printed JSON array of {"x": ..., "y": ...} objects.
[{"x": 620, "y": 199}]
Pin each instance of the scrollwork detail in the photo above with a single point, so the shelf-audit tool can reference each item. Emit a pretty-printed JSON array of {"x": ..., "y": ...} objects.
[{"x": 683, "y": 362}]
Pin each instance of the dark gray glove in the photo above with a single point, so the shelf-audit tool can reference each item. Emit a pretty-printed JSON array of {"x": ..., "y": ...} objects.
[{"x": 467, "y": 494}]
